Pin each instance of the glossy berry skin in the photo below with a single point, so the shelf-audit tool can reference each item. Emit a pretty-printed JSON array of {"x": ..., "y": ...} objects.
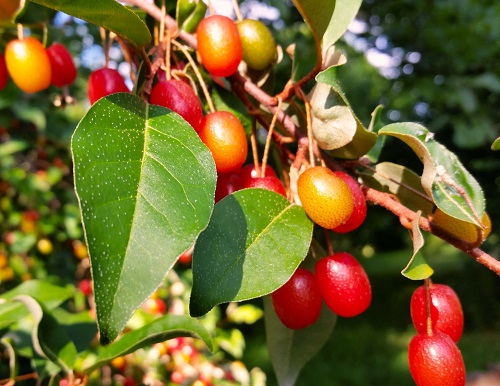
[
  {"x": 223, "y": 133},
  {"x": 446, "y": 310},
  {"x": 298, "y": 302},
  {"x": 227, "y": 183},
  {"x": 344, "y": 284},
  {"x": 359, "y": 211},
  {"x": 270, "y": 183},
  {"x": 259, "y": 47},
  {"x": 435, "y": 360},
  {"x": 325, "y": 197},
  {"x": 248, "y": 172},
  {"x": 28, "y": 64},
  {"x": 4, "y": 75},
  {"x": 63, "y": 68},
  {"x": 219, "y": 45},
  {"x": 103, "y": 82},
  {"x": 180, "y": 97}
]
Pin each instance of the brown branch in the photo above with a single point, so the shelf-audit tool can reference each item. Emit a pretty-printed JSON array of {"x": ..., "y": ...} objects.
[{"x": 406, "y": 216}]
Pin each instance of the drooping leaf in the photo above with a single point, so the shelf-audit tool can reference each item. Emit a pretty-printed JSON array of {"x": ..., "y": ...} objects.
[
  {"x": 417, "y": 268},
  {"x": 290, "y": 349},
  {"x": 7, "y": 343},
  {"x": 164, "y": 328},
  {"x": 145, "y": 184},
  {"x": 361, "y": 139},
  {"x": 254, "y": 242},
  {"x": 49, "y": 340},
  {"x": 402, "y": 183},
  {"x": 44, "y": 292},
  {"x": 189, "y": 13},
  {"x": 454, "y": 190},
  {"x": 328, "y": 20},
  {"x": 109, "y": 14}
]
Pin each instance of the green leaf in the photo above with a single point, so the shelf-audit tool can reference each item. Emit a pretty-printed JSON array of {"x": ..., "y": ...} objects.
[
  {"x": 290, "y": 350},
  {"x": 109, "y": 14},
  {"x": 496, "y": 144},
  {"x": 417, "y": 268},
  {"x": 453, "y": 189},
  {"x": 361, "y": 139},
  {"x": 161, "y": 329},
  {"x": 7, "y": 343},
  {"x": 32, "y": 13},
  {"x": 402, "y": 183},
  {"x": 45, "y": 293},
  {"x": 328, "y": 20},
  {"x": 13, "y": 146},
  {"x": 145, "y": 184},
  {"x": 254, "y": 242},
  {"x": 189, "y": 13},
  {"x": 49, "y": 340}
]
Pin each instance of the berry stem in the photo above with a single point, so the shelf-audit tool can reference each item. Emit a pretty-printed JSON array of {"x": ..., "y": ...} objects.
[
  {"x": 237, "y": 11},
  {"x": 428, "y": 283},
  {"x": 268, "y": 140},
  {"x": 307, "y": 105},
  {"x": 328, "y": 242},
  {"x": 253, "y": 142},
  {"x": 20, "y": 31}
]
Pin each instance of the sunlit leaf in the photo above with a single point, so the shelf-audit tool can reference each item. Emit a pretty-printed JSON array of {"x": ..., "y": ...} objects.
[
  {"x": 253, "y": 244},
  {"x": 454, "y": 190},
  {"x": 189, "y": 13},
  {"x": 146, "y": 185},
  {"x": 496, "y": 144},
  {"x": 417, "y": 268}
]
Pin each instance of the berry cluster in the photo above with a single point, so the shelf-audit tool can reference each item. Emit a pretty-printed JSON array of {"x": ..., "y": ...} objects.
[{"x": 433, "y": 355}]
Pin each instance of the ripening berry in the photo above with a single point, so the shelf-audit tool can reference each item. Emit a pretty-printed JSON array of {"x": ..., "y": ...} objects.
[
  {"x": 359, "y": 211},
  {"x": 270, "y": 183},
  {"x": 219, "y": 45},
  {"x": 248, "y": 172},
  {"x": 223, "y": 133},
  {"x": 462, "y": 229},
  {"x": 344, "y": 284},
  {"x": 227, "y": 183},
  {"x": 180, "y": 97},
  {"x": 28, "y": 64},
  {"x": 298, "y": 302},
  {"x": 259, "y": 47},
  {"x": 63, "y": 68},
  {"x": 435, "y": 360},
  {"x": 446, "y": 310},
  {"x": 103, "y": 82},
  {"x": 325, "y": 197}
]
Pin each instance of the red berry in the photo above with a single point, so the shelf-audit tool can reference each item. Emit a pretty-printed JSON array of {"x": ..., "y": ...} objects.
[
  {"x": 219, "y": 45},
  {"x": 4, "y": 75},
  {"x": 62, "y": 65},
  {"x": 435, "y": 360},
  {"x": 446, "y": 310},
  {"x": 227, "y": 183},
  {"x": 178, "y": 96},
  {"x": 223, "y": 133},
  {"x": 359, "y": 212},
  {"x": 86, "y": 287},
  {"x": 298, "y": 302},
  {"x": 269, "y": 183},
  {"x": 344, "y": 284},
  {"x": 103, "y": 82},
  {"x": 248, "y": 172}
]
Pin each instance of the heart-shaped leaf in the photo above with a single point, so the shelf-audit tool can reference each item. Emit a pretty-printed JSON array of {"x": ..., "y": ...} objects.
[
  {"x": 454, "y": 190},
  {"x": 145, "y": 184},
  {"x": 254, "y": 242},
  {"x": 417, "y": 268},
  {"x": 402, "y": 183},
  {"x": 109, "y": 14},
  {"x": 290, "y": 349},
  {"x": 161, "y": 329}
]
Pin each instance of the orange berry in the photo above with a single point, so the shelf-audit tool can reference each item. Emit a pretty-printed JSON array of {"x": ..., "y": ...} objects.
[
  {"x": 462, "y": 229},
  {"x": 28, "y": 64},
  {"x": 325, "y": 197},
  {"x": 219, "y": 45},
  {"x": 223, "y": 133}
]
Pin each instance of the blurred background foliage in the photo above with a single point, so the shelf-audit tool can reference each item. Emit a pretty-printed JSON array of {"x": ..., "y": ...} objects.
[{"x": 431, "y": 62}]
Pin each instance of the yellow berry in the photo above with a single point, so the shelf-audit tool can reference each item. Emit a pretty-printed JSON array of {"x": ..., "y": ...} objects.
[{"x": 325, "y": 197}]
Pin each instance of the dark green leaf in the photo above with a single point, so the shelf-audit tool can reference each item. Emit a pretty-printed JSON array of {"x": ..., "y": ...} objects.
[
  {"x": 402, "y": 183},
  {"x": 32, "y": 13},
  {"x": 47, "y": 294},
  {"x": 80, "y": 327},
  {"x": 417, "y": 268},
  {"x": 453, "y": 189},
  {"x": 290, "y": 349},
  {"x": 146, "y": 185},
  {"x": 162, "y": 329},
  {"x": 254, "y": 242},
  {"x": 109, "y": 14},
  {"x": 49, "y": 340}
]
